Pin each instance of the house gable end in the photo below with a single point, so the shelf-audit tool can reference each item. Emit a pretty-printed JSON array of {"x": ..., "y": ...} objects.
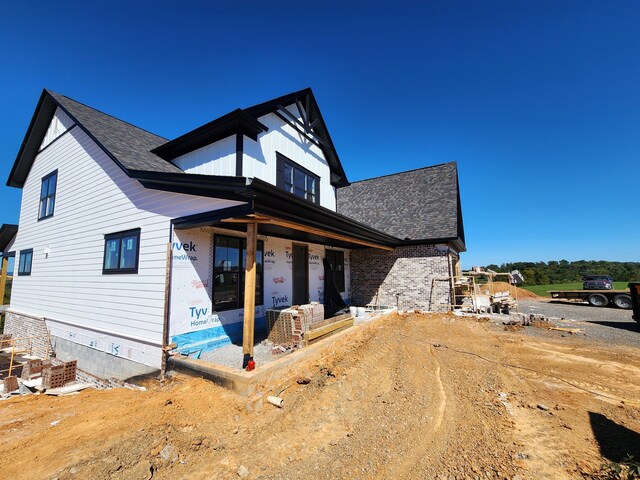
[{"x": 127, "y": 145}]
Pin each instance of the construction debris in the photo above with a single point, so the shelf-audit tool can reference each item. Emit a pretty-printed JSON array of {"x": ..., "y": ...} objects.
[
  {"x": 277, "y": 401},
  {"x": 300, "y": 325},
  {"x": 477, "y": 291}
]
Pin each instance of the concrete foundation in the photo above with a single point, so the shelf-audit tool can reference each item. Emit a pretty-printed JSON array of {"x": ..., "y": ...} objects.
[
  {"x": 98, "y": 363},
  {"x": 90, "y": 360}
]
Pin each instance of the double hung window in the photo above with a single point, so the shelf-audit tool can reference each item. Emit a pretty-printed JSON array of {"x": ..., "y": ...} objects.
[
  {"x": 24, "y": 265},
  {"x": 48, "y": 195}
]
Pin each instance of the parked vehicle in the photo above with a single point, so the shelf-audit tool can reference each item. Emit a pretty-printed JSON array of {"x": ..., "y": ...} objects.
[
  {"x": 597, "y": 298},
  {"x": 597, "y": 282}
]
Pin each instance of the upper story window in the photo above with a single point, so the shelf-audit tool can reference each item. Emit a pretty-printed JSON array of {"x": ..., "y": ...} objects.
[
  {"x": 297, "y": 179},
  {"x": 121, "y": 252},
  {"x": 48, "y": 195},
  {"x": 26, "y": 257}
]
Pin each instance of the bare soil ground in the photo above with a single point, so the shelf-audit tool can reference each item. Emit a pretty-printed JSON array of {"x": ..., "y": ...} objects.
[{"x": 416, "y": 396}]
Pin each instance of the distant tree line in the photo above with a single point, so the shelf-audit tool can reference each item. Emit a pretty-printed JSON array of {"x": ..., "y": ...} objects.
[{"x": 545, "y": 273}]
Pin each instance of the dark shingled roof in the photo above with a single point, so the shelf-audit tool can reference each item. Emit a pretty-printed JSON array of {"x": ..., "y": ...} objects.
[
  {"x": 130, "y": 145},
  {"x": 416, "y": 206}
]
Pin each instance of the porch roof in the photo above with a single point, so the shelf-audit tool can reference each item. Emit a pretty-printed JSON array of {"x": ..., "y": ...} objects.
[
  {"x": 7, "y": 232},
  {"x": 277, "y": 212}
]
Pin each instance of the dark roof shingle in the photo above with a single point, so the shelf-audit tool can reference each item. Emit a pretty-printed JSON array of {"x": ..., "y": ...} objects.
[
  {"x": 130, "y": 145},
  {"x": 417, "y": 205}
]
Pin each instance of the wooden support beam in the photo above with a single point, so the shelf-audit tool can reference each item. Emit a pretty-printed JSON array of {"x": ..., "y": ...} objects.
[
  {"x": 304, "y": 228},
  {"x": 248, "y": 323},
  {"x": 3, "y": 278},
  {"x": 321, "y": 332},
  {"x": 165, "y": 321}
]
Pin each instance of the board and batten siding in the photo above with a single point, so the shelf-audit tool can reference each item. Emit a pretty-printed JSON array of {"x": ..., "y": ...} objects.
[
  {"x": 218, "y": 158},
  {"x": 95, "y": 197},
  {"x": 259, "y": 158}
]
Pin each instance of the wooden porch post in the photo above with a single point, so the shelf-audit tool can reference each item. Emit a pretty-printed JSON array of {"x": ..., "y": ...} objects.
[
  {"x": 249, "y": 294},
  {"x": 3, "y": 278}
]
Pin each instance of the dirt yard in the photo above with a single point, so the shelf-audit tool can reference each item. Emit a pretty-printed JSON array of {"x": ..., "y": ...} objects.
[{"x": 419, "y": 396}]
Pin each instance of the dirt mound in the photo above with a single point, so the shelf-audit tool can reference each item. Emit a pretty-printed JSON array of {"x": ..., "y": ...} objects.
[
  {"x": 415, "y": 396},
  {"x": 523, "y": 294}
]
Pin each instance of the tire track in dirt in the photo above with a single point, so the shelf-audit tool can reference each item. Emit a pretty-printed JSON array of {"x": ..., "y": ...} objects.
[{"x": 408, "y": 463}]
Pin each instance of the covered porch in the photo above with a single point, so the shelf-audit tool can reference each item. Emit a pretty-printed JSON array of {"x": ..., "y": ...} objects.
[{"x": 230, "y": 268}]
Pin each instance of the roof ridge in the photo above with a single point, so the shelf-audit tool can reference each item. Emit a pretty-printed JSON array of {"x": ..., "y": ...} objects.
[
  {"x": 106, "y": 114},
  {"x": 281, "y": 97},
  {"x": 406, "y": 171}
]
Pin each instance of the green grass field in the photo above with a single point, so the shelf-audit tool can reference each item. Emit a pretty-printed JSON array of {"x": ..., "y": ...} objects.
[{"x": 542, "y": 290}]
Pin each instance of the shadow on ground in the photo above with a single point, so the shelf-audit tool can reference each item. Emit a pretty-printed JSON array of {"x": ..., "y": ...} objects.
[
  {"x": 630, "y": 326},
  {"x": 579, "y": 304},
  {"x": 615, "y": 441}
]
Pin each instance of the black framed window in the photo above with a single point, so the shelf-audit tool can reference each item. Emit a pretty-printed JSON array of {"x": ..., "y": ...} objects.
[
  {"x": 121, "y": 252},
  {"x": 336, "y": 261},
  {"x": 297, "y": 180},
  {"x": 24, "y": 265},
  {"x": 48, "y": 195},
  {"x": 230, "y": 254}
]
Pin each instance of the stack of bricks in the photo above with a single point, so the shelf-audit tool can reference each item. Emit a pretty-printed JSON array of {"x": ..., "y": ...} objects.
[
  {"x": 10, "y": 384},
  {"x": 286, "y": 327},
  {"x": 311, "y": 315},
  {"x": 53, "y": 376},
  {"x": 70, "y": 369},
  {"x": 5, "y": 341},
  {"x": 56, "y": 376},
  {"x": 32, "y": 369},
  {"x": 281, "y": 326}
]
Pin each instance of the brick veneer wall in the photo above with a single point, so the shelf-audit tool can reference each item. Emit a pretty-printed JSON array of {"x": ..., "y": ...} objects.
[
  {"x": 30, "y": 328},
  {"x": 377, "y": 275}
]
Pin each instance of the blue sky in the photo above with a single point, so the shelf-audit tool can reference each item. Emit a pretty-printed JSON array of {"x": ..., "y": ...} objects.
[{"x": 538, "y": 102}]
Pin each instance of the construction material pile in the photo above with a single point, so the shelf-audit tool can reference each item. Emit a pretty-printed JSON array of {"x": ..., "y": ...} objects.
[{"x": 286, "y": 327}]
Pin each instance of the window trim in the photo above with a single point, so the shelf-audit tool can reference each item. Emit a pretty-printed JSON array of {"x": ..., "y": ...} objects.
[
  {"x": 120, "y": 236},
  {"x": 281, "y": 161},
  {"x": 241, "y": 273},
  {"x": 48, "y": 197},
  {"x": 24, "y": 252},
  {"x": 334, "y": 253}
]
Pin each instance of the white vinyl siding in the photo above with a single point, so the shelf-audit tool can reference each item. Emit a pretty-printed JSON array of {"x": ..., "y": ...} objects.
[
  {"x": 219, "y": 158},
  {"x": 59, "y": 124},
  {"x": 259, "y": 158},
  {"x": 95, "y": 197}
]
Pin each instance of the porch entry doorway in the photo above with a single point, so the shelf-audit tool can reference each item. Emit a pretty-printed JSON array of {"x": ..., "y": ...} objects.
[{"x": 300, "y": 265}]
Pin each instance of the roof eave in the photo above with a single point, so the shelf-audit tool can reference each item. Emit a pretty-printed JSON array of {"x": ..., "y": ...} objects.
[
  {"x": 456, "y": 242},
  {"x": 236, "y": 122},
  {"x": 7, "y": 232},
  {"x": 38, "y": 125}
]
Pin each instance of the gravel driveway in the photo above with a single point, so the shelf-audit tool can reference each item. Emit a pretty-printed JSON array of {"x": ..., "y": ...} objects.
[{"x": 609, "y": 325}]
